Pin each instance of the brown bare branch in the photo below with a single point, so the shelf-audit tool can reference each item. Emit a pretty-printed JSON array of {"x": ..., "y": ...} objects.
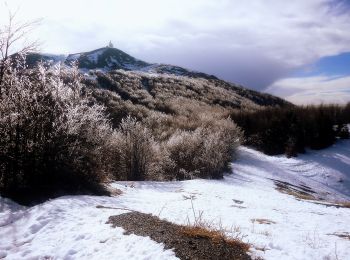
[{"x": 10, "y": 36}]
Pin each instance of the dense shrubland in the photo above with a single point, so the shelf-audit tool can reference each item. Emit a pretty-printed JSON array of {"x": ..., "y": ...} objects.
[
  {"x": 160, "y": 92},
  {"x": 291, "y": 130},
  {"x": 51, "y": 135},
  {"x": 59, "y": 135}
]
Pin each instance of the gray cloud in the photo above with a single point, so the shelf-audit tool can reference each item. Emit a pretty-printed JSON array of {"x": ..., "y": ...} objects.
[
  {"x": 254, "y": 43},
  {"x": 257, "y": 72},
  {"x": 317, "y": 89}
]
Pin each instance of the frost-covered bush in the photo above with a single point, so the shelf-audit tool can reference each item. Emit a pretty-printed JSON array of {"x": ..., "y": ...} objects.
[
  {"x": 52, "y": 138},
  {"x": 183, "y": 147},
  {"x": 205, "y": 152},
  {"x": 136, "y": 151},
  {"x": 144, "y": 154}
]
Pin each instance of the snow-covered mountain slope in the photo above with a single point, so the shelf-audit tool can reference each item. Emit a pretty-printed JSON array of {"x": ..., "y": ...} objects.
[
  {"x": 249, "y": 204},
  {"x": 113, "y": 67},
  {"x": 34, "y": 58},
  {"x": 107, "y": 59}
]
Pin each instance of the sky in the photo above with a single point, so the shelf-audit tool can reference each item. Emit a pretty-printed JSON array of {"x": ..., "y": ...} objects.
[{"x": 298, "y": 50}]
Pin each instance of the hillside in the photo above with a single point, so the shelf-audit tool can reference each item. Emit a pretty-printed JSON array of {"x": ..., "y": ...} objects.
[
  {"x": 142, "y": 82},
  {"x": 285, "y": 208}
]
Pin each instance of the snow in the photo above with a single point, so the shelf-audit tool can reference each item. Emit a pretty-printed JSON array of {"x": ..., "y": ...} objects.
[
  {"x": 93, "y": 57},
  {"x": 71, "y": 227},
  {"x": 55, "y": 58},
  {"x": 327, "y": 171},
  {"x": 73, "y": 57}
]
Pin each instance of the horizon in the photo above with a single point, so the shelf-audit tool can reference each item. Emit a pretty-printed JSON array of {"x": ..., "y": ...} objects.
[{"x": 299, "y": 51}]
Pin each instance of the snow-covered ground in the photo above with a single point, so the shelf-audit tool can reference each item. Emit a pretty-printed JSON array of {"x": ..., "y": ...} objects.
[{"x": 72, "y": 227}]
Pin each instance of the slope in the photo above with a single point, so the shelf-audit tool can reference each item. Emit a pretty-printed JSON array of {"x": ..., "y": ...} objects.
[
  {"x": 119, "y": 68},
  {"x": 247, "y": 203}
]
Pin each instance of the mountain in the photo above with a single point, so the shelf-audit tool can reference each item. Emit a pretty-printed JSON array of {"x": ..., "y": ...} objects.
[
  {"x": 135, "y": 80},
  {"x": 106, "y": 58}
]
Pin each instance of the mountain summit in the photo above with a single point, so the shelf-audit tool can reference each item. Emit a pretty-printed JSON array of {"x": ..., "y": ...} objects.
[
  {"x": 109, "y": 58},
  {"x": 106, "y": 58},
  {"x": 118, "y": 71}
]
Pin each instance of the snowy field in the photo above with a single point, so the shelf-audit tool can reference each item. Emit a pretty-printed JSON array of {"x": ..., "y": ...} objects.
[{"x": 245, "y": 203}]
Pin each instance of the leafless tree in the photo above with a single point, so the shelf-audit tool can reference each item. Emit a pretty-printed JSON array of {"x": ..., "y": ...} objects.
[{"x": 10, "y": 36}]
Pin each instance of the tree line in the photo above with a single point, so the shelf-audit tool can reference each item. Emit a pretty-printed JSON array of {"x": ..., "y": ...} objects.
[{"x": 290, "y": 130}]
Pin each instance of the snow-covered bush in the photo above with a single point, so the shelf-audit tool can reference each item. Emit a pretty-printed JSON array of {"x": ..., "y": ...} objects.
[
  {"x": 205, "y": 152},
  {"x": 51, "y": 136},
  {"x": 135, "y": 153}
]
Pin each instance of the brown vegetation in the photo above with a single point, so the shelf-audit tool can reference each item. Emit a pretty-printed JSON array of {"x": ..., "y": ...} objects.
[
  {"x": 188, "y": 242},
  {"x": 299, "y": 192}
]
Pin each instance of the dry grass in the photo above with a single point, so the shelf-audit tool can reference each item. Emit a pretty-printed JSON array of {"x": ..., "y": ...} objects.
[
  {"x": 214, "y": 232},
  {"x": 216, "y": 236},
  {"x": 343, "y": 204},
  {"x": 296, "y": 194},
  {"x": 302, "y": 193}
]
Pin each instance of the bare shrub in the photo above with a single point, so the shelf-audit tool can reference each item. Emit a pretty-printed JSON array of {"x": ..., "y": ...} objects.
[
  {"x": 51, "y": 137},
  {"x": 205, "y": 152},
  {"x": 183, "y": 147},
  {"x": 136, "y": 151}
]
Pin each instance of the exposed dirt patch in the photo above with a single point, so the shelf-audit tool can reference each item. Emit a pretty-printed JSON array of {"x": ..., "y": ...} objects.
[
  {"x": 344, "y": 235},
  {"x": 300, "y": 192},
  {"x": 345, "y": 205},
  {"x": 186, "y": 241},
  {"x": 303, "y": 192},
  {"x": 263, "y": 221}
]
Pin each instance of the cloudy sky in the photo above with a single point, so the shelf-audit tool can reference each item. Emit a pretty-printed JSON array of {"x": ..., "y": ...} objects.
[{"x": 299, "y": 50}]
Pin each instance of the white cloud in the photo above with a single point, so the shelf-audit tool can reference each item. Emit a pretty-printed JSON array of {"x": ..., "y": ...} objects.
[{"x": 315, "y": 90}]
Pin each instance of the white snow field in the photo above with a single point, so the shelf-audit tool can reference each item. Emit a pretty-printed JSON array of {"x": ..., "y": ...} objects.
[{"x": 245, "y": 203}]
